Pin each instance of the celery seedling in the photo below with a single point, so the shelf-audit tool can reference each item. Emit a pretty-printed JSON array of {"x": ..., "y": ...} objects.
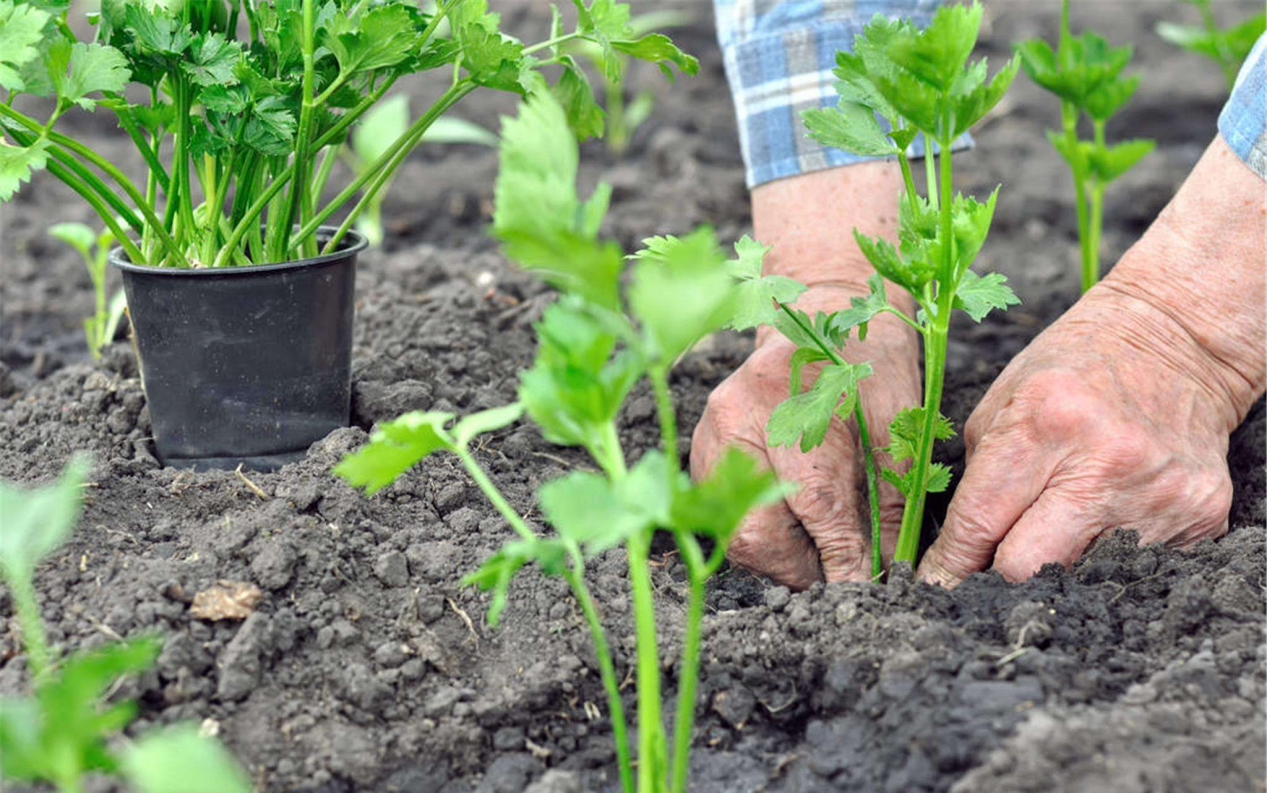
[
  {"x": 99, "y": 329},
  {"x": 918, "y": 81},
  {"x": 624, "y": 118},
  {"x": 1086, "y": 74},
  {"x": 594, "y": 345},
  {"x": 1225, "y": 46},
  {"x": 238, "y": 108},
  {"x": 60, "y": 733}
]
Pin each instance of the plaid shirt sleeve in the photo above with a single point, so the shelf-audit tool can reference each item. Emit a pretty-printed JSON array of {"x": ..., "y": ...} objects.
[
  {"x": 779, "y": 56},
  {"x": 1243, "y": 122}
]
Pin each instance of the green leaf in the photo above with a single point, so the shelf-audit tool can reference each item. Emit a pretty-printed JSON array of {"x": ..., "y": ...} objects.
[
  {"x": 79, "y": 236},
  {"x": 1240, "y": 38},
  {"x": 270, "y": 129},
  {"x": 21, "y": 31},
  {"x": 681, "y": 291},
  {"x": 37, "y": 520},
  {"x": 820, "y": 327},
  {"x": 498, "y": 570},
  {"x": 717, "y": 504},
  {"x": 491, "y": 60},
  {"x": 595, "y": 513},
  {"x": 862, "y": 309},
  {"x": 394, "y": 448},
  {"x": 1111, "y": 162},
  {"x": 755, "y": 295},
  {"x": 802, "y": 357},
  {"x": 573, "y": 91},
  {"x": 179, "y": 760},
  {"x": 379, "y": 128},
  {"x": 971, "y": 107},
  {"x": 905, "y": 429},
  {"x": 937, "y": 481},
  {"x": 970, "y": 224},
  {"x": 1194, "y": 38},
  {"x": 908, "y": 273},
  {"x": 849, "y": 127},
  {"x": 382, "y": 37},
  {"x": 659, "y": 49},
  {"x": 1110, "y": 96},
  {"x": 537, "y": 215},
  {"x": 81, "y": 69},
  {"x": 468, "y": 427},
  {"x": 458, "y": 130},
  {"x": 61, "y": 733},
  {"x": 212, "y": 60},
  {"x": 807, "y": 416},
  {"x": 937, "y": 54},
  {"x": 576, "y": 385},
  {"x": 979, "y": 294}
]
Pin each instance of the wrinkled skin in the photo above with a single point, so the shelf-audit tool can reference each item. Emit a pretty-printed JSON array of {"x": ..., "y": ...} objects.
[{"x": 1118, "y": 415}]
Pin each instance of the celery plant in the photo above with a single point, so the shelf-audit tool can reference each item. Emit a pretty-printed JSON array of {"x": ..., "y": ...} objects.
[
  {"x": 238, "y": 131},
  {"x": 1225, "y": 46},
  {"x": 594, "y": 345},
  {"x": 918, "y": 82},
  {"x": 100, "y": 327},
  {"x": 1086, "y": 74},
  {"x": 62, "y": 732}
]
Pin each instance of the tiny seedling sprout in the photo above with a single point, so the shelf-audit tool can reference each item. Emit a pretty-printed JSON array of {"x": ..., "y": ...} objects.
[{"x": 1225, "y": 46}]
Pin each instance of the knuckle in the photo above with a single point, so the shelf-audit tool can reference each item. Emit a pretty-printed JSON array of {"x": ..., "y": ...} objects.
[{"x": 1059, "y": 404}]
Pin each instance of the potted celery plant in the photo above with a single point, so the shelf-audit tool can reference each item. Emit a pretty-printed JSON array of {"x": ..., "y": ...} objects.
[{"x": 239, "y": 277}]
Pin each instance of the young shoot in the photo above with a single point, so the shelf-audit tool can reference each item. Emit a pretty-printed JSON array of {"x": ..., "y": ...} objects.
[
  {"x": 917, "y": 82},
  {"x": 100, "y": 328},
  {"x": 238, "y": 109},
  {"x": 594, "y": 345},
  {"x": 1225, "y": 46},
  {"x": 1086, "y": 74},
  {"x": 63, "y": 730}
]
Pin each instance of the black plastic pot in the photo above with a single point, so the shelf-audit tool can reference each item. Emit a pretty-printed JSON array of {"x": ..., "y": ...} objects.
[{"x": 244, "y": 365}]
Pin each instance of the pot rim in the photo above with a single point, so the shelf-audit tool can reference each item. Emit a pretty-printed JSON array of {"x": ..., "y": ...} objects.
[{"x": 355, "y": 242}]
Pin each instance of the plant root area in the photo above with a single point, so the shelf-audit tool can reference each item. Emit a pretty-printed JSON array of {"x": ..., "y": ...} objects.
[{"x": 367, "y": 666}]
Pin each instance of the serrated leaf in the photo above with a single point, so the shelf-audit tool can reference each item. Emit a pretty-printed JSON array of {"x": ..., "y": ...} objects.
[
  {"x": 971, "y": 107},
  {"x": 498, "y": 570},
  {"x": 715, "y": 505},
  {"x": 382, "y": 37},
  {"x": 212, "y": 60},
  {"x": 802, "y": 357},
  {"x": 978, "y": 295},
  {"x": 937, "y": 481},
  {"x": 937, "y": 54},
  {"x": 17, "y": 164},
  {"x": 180, "y": 760},
  {"x": 905, "y": 430},
  {"x": 595, "y": 513},
  {"x": 755, "y": 295},
  {"x": 573, "y": 91},
  {"x": 37, "y": 520},
  {"x": 862, "y": 309},
  {"x": 1109, "y": 163},
  {"x": 80, "y": 69},
  {"x": 537, "y": 215},
  {"x": 909, "y": 273},
  {"x": 1109, "y": 97},
  {"x": 491, "y": 60},
  {"x": 659, "y": 49},
  {"x": 807, "y": 416},
  {"x": 681, "y": 291},
  {"x": 21, "y": 31},
  {"x": 970, "y": 224},
  {"x": 804, "y": 331},
  {"x": 394, "y": 448},
  {"x": 848, "y": 127},
  {"x": 271, "y": 127}
]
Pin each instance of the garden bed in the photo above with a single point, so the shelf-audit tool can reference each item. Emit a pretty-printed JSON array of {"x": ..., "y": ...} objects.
[{"x": 366, "y": 666}]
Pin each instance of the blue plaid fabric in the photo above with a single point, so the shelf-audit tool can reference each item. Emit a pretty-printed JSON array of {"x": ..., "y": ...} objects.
[
  {"x": 1243, "y": 122},
  {"x": 779, "y": 55}
]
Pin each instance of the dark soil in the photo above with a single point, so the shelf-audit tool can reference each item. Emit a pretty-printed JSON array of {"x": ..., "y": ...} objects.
[{"x": 366, "y": 666}]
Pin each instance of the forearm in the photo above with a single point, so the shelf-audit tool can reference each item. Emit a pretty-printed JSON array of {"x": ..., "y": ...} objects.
[{"x": 1200, "y": 270}]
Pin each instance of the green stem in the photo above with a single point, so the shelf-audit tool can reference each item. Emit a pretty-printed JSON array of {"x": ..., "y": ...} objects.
[
  {"x": 494, "y": 495},
  {"x": 873, "y": 489},
  {"x": 650, "y": 729},
  {"x": 551, "y": 42},
  {"x": 688, "y": 676},
  {"x": 606, "y": 668},
  {"x": 299, "y": 207},
  {"x": 381, "y": 170},
  {"x": 930, "y": 173},
  {"x": 32, "y": 626},
  {"x": 934, "y": 375},
  {"x": 1069, "y": 118}
]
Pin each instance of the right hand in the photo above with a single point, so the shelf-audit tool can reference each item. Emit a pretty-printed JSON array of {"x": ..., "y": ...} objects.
[{"x": 821, "y": 532}]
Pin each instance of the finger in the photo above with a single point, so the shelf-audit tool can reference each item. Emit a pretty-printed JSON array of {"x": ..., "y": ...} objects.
[
  {"x": 1056, "y": 529},
  {"x": 771, "y": 542},
  {"x": 829, "y": 505},
  {"x": 1006, "y": 476}
]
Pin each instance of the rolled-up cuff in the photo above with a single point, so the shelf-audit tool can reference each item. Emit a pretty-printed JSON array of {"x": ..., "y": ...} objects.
[{"x": 1243, "y": 122}]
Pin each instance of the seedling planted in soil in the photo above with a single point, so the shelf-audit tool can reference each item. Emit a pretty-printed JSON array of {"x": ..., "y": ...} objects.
[
  {"x": 239, "y": 133},
  {"x": 594, "y": 345},
  {"x": 1225, "y": 46},
  {"x": 64, "y": 730},
  {"x": 100, "y": 328},
  {"x": 1086, "y": 74},
  {"x": 919, "y": 82}
]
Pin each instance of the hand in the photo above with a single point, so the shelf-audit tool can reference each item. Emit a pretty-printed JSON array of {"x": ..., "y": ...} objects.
[
  {"x": 1118, "y": 415},
  {"x": 823, "y": 530}
]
